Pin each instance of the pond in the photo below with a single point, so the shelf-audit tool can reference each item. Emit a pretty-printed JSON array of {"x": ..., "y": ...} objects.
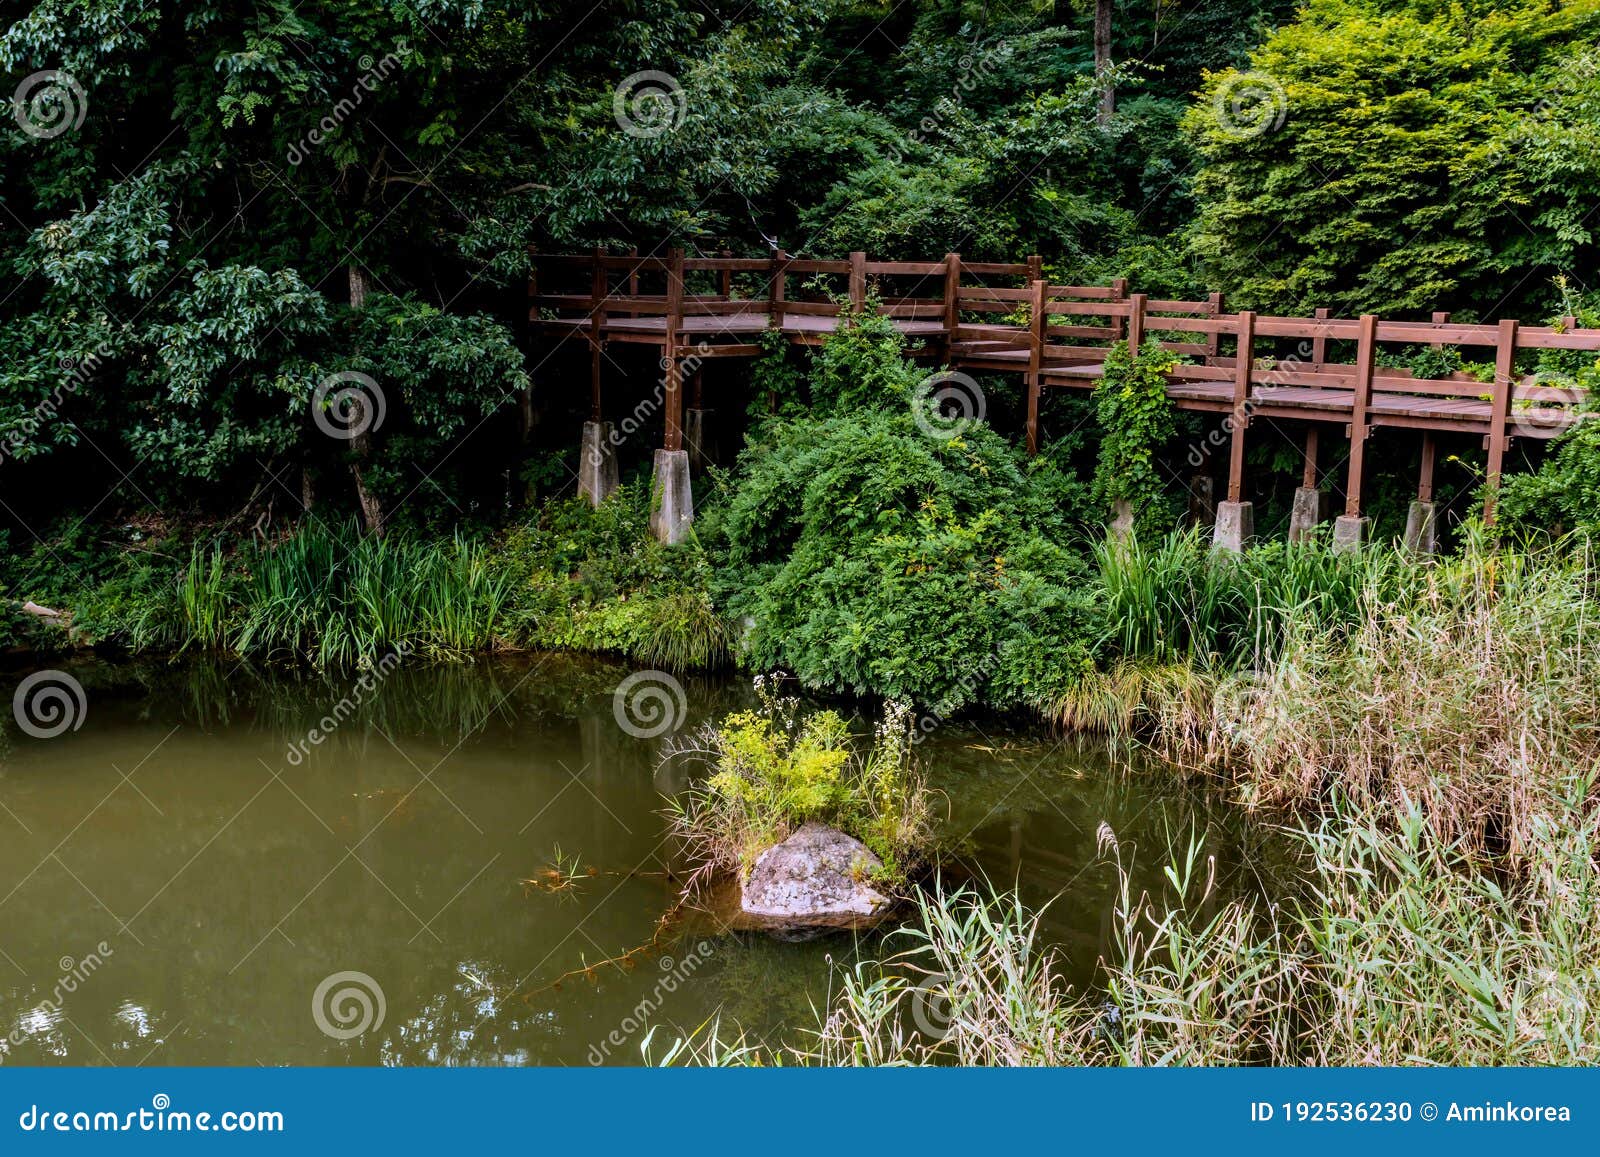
[{"x": 190, "y": 877}]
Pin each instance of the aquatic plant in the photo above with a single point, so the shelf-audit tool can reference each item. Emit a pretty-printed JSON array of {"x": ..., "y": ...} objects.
[
  {"x": 1402, "y": 949},
  {"x": 774, "y": 769}
]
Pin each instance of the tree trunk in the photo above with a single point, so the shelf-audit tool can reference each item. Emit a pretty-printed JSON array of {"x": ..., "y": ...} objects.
[
  {"x": 361, "y": 444},
  {"x": 1102, "y": 57}
]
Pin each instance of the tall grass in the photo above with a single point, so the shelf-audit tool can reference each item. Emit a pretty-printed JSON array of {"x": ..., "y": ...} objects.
[
  {"x": 331, "y": 598},
  {"x": 1297, "y": 673},
  {"x": 1401, "y": 951},
  {"x": 1174, "y": 598}
]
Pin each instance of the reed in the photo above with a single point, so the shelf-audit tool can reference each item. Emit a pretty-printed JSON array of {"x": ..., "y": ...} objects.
[{"x": 1401, "y": 949}]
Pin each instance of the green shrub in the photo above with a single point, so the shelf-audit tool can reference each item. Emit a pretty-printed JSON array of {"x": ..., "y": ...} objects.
[{"x": 774, "y": 770}]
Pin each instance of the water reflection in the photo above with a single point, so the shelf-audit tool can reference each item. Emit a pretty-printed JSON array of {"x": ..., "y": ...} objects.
[{"x": 226, "y": 880}]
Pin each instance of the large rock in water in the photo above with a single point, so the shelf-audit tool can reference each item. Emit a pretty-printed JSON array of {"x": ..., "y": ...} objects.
[{"x": 815, "y": 879}]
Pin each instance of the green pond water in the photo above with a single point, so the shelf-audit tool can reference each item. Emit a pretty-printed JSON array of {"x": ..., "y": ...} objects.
[{"x": 187, "y": 880}]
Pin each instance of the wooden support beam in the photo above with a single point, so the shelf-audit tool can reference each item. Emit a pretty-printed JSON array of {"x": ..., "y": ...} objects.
[
  {"x": 599, "y": 287},
  {"x": 858, "y": 282},
  {"x": 1500, "y": 412},
  {"x": 1036, "y": 320},
  {"x": 1119, "y": 292},
  {"x": 1243, "y": 363},
  {"x": 1359, "y": 427},
  {"x": 697, "y": 394},
  {"x": 952, "y": 297},
  {"x": 1425, "y": 475},
  {"x": 672, "y": 371},
  {"x": 1308, "y": 474}
]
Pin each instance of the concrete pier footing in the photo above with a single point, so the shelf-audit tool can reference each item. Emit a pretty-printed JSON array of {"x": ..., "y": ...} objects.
[
  {"x": 597, "y": 463},
  {"x": 1236, "y": 526},
  {"x": 1422, "y": 528},
  {"x": 1349, "y": 532},
  {"x": 671, "y": 498},
  {"x": 1121, "y": 529},
  {"x": 1310, "y": 510}
]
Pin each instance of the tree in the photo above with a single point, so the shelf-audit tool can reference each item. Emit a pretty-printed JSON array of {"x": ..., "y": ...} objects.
[{"x": 1410, "y": 157}]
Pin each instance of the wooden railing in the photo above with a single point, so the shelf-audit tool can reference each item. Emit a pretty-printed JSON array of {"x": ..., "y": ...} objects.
[{"x": 1004, "y": 317}]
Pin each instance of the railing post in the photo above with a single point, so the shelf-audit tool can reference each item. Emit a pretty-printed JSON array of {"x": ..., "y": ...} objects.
[
  {"x": 1213, "y": 311},
  {"x": 725, "y": 279},
  {"x": 858, "y": 282},
  {"x": 1319, "y": 344},
  {"x": 1036, "y": 326},
  {"x": 1241, "y": 405},
  {"x": 952, "y": 296},
  {"x": 1035, "y": 267},
  {"x": 1119, "y": 292},
  {"x": 777, "y": 287},
  {"x": 669, "y": 360},
  {"x": 1135, "y": 324},
  {"x": 1365, "y": 353},
  {"x": 1440, "y": 317},
  {"x": 1501, "y": 399}
]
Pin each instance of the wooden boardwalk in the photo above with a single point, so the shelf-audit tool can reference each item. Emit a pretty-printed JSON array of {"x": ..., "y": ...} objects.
[{"x": 993, "y": 317}]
